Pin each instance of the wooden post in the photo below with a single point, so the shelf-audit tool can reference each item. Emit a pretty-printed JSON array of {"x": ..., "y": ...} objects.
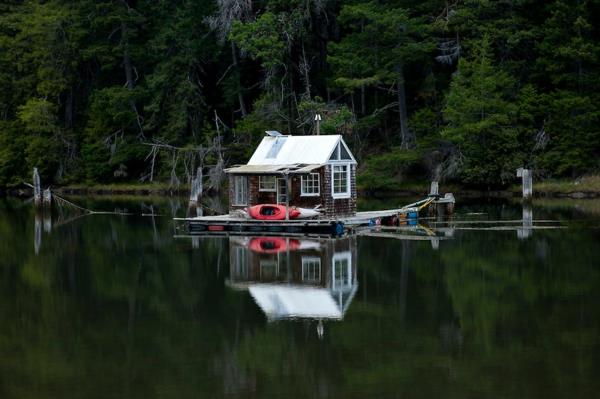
[
  {"x": 318, "y": 120},
  {"x": 527, "y": 228},
  {"x": 287, "y": 196},
  {"x": 248, "y": 195},
  {"x": 527, "y": 182},
  {"x": 450, "y": 203},
  {"x": 434, "y": 190}
]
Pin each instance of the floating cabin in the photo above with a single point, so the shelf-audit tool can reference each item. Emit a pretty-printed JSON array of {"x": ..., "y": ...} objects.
[
  {"x": 302, "y": 171},
  {"x": 305, "y": 172}
]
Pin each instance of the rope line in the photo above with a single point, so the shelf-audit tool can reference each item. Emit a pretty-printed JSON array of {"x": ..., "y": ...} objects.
[{"x": 86, "y": 210}]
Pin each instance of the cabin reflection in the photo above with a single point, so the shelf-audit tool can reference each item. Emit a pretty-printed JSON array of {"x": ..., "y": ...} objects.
[{"x": 293, "y": 278}]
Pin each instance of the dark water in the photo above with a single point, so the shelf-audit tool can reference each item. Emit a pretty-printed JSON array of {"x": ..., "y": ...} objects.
[{"x": 119, "y": 307}]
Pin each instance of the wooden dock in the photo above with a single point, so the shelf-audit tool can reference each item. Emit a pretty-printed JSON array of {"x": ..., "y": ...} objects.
[
  {"x": 220, "y": 224},
  {"x": 335, "y": 226}
]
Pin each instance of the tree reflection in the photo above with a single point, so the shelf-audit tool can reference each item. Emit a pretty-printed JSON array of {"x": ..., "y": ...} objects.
[{"x": 111, "y": 307}]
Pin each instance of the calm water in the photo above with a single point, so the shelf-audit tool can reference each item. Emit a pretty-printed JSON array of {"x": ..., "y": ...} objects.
[{"x": 119, "y": 306}]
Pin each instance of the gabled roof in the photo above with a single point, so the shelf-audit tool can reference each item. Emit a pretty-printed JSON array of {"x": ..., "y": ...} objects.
[{"x": 287, "y": 150}]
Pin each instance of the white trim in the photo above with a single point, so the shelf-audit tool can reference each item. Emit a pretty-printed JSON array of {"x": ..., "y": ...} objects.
[
  {"x": 347, "y": 193},
  {"x": 342, "y": 256},
  {"x": 268, "y": 190},
  {"x": 305, "y": 194},
  {"x": 341, "y": 141}
]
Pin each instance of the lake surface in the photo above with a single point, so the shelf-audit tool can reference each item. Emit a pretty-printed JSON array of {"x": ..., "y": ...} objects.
[{"x": 108, "y": 306}]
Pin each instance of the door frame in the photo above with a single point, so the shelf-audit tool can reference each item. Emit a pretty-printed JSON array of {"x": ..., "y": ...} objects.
[{"x": 281, "y": 183}]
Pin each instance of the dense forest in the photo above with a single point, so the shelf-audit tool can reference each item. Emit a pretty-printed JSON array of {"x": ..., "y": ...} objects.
[{"x": 99, "y": 91}]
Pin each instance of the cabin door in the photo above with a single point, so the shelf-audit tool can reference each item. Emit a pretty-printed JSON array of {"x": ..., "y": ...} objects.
[{"x": 282, "y": 193}]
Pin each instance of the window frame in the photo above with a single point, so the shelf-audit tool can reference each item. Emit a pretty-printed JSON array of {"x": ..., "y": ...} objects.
[
  {"x": 303, "y": 179},
  {"x": 308, "y": 261},
  {"x": 344, "y": 194},
  {"x": 267, "y": 190},
  {"x": 343, "y": 261},
  {"x": 240, "y": 182}
]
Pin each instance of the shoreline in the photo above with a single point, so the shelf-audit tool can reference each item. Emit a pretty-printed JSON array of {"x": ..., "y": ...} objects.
[{"x": 165, "y": 191}]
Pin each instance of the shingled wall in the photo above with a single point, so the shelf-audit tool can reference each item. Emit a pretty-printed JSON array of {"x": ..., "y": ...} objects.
[
  {"x": 339, "y": 207},
  {"x": 331, "y": 207}
]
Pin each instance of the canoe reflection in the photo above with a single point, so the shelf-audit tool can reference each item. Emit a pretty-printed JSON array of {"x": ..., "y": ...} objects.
[{"x": 292, "y": 278}]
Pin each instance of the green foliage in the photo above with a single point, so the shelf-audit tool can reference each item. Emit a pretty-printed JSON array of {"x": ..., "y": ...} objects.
[
  {"x": 481, "y": 113},
  {"x": 390, "y": 170},
  {"x": 262, "y": 39},
  {"x": 573, "y": 128},
  {"x": 12, "y": 149},
  {"x": 476, "y": 88},
  {"x": 38, "y": 116},
  {"x": 380, "y": 38}
]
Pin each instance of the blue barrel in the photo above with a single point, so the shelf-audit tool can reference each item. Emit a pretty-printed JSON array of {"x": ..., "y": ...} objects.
[{"x": 413, "y": 215}]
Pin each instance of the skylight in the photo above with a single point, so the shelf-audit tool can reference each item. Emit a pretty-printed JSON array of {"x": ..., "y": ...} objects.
[{"x": 276, "y": 147}]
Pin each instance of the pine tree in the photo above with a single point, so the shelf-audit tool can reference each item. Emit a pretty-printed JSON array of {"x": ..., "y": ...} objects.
[
  {"x": 379, "y": 45},
  {"x": 481, "y": 120}
]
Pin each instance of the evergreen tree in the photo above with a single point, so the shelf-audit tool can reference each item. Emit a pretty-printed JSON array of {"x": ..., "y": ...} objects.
[
  {"x": 381, "y": 41},
  {"x": 481, "y": 113},
  {"x": 85, "y": 84}
]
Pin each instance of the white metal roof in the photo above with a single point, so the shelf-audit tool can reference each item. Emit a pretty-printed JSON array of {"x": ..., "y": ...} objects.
[
  {"x": 286, "y": 150},
  {"x": 280, "y": 302}
]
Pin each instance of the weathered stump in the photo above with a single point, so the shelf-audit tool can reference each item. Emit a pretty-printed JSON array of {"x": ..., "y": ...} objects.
[
  {"x": 47, "y": 198},
  {"x": 527, "y": 182},
  {"x": 37, "y": 189}
]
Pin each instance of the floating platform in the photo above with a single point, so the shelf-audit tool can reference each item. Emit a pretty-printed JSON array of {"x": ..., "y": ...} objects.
[
  {"x": 233, "y": 224},
  {"x": 237, "y": 225},
  {"x": 335, "y": 226}
]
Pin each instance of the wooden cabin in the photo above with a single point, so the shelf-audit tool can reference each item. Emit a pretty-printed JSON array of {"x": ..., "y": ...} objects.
[{"x": 302, "y": 171}]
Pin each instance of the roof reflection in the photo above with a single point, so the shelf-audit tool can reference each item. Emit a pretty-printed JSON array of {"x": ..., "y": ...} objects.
[{"x": 291, "y": 278}]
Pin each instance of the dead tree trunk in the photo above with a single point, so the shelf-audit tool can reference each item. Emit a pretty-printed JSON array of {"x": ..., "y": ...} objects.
[
  {"x": 196, "y": 190},
  {"x": 235, "y": 65},
  {"x": 407, "y": 138},
  {"x": 129, "y": 72},
  {"x": 37, "y": 188},
  {"x": 127, "y": 65},
  {"x": 47, "y": 198}
]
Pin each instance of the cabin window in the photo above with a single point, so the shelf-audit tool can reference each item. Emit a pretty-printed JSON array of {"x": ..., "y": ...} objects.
[
  {"x": 341, "y": 153},
  {"x": 310, "y": 185},
  {"x": 340, "y": 181},
  {"x": 311, "y": 269},
  {"x": 240, "y": 190},
  {"x": 267, "y": 183},
  {"x": 342, "y": 271}
]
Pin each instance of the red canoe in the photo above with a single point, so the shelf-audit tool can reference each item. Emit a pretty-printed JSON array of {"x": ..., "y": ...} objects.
[
  {"x": 273, "y": 245},
  {"x": 271, "y": 212}
]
